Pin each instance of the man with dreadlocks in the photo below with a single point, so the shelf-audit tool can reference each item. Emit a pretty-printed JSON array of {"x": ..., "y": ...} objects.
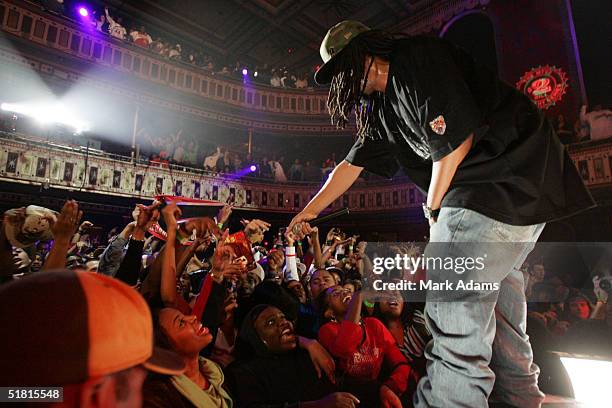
[{"x": 494, "y": 171}]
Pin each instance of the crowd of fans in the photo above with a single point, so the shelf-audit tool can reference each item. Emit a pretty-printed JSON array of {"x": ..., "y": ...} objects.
[
  {"x": 139, "y": 36},
  {"x": 254, "y": 328},
  {"x": 254, "y": 319}
]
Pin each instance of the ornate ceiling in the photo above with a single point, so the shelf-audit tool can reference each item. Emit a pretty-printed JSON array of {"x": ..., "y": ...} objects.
[{"x": 276, "y": 32}]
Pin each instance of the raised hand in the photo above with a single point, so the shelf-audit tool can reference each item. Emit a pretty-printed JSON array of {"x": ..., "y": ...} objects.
[
  {"x": 255, "y": 230},
  {"x": 63, "y": 228},
  {"x": 67, "y": 221},
  {"x": 331, "y": 234},
  {"x": 85, "y": 225},
  {"x": 299, "y": 224},
  {"x": 224, "y": 266},
  {"x": 290, "y": 237},
  {"x": 147, "y": 215},
  {"x": 224, "y": 213}
]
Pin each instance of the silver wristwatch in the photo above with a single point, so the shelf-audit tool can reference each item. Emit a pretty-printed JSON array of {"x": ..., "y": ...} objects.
[{"x": 430, "y": 213}]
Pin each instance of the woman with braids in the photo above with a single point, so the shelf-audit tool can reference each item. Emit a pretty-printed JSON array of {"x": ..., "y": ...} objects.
[{"x": 494, "y": 171}]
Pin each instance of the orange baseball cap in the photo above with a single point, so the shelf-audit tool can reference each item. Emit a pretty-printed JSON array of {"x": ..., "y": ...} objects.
[{"x": 65, "y": 327}]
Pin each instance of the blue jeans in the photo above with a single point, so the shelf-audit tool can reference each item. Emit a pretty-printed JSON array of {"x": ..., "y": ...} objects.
[{"x": 479, "y": 347}]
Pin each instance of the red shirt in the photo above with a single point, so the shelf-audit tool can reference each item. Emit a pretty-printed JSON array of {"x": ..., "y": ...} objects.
[{"x": 361, "y": 351}]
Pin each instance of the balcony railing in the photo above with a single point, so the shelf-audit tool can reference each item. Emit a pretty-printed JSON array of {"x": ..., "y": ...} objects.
[{"x": 31, "y": 162}]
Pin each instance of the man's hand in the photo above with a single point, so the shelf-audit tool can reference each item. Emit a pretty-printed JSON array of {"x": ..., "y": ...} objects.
[
  {"x": 432, "y": 221},
  {"x": 388, "y": 399},
  {"x": 290, "y": 237},
  {"x": 66, "y": 223},
  {"x": 85, "y": 225},
  {"x": 331, "y": 234},
  {"x": 224, "y": 213},
  {"x": 224, "y": 266},
  {"x": 299, "y": 222},
  {"x": 62, "y": 228},
  {"x": 314, "y": 232},
  {"x": 338, "y": 243},
  {"x": 146, "y": 216},
  {"x": 170, "y": 213},
  {"x": 255, "y": 230}
]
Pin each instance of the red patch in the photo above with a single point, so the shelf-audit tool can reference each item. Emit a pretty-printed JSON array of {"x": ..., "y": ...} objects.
[{"x": 438, "y": 125}]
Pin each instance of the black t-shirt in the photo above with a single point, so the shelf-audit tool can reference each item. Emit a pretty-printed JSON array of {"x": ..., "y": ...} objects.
[{"x": 517, "y": 170}]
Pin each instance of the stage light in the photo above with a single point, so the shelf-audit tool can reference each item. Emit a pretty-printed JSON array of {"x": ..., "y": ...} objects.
[
  {"x": 589, "y": 376},
  {"x": 253, "y": 168},
  {"x": 83, "y": 12},
  {"x": 48, "y": 113},
  {"x": 255, "y": 74},
  {"x": 245, "y": 71}
]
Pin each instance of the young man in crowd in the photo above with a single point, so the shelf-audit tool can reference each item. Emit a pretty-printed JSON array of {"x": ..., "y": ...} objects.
[
  {"x": 88, "y": 333},
  {"x": 494, "y": 171}
]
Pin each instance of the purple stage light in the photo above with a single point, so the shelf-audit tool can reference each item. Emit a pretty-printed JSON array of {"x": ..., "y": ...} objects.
[
  {"x": 83, "y": 12},
  {"x": 253, "y": 168},
  {"x": 245, "y": 71}
]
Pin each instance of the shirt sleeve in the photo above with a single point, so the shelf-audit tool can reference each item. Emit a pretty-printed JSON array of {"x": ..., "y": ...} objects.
[
  {"x": 129, "y": 269},
  {"x": 450, "y": 113},
  {"x": 111, "y": 257},
  {"x": 374, "y": 156},
  {"x": 291, "y": 272}
]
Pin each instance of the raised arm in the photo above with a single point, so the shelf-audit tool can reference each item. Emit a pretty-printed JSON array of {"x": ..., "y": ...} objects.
[
  {"x": 129, "y": 270},
  {"x": 63, "y": 228},
  {"x": 168, "y": 275},
  {"x": 340, "y": 180}
]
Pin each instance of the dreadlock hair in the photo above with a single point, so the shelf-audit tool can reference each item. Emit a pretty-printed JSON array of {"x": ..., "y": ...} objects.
[{"x": 345, "y": 88}]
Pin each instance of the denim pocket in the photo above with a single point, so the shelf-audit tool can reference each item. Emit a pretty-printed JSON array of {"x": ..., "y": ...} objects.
[{"x": 513, "y": 233}]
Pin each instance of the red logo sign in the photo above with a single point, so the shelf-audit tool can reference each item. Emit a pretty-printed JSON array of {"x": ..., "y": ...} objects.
[{"x": 545, "y": 85}]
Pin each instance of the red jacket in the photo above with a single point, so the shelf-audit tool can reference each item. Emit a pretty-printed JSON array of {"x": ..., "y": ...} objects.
[{"x": 362, "y": 349}]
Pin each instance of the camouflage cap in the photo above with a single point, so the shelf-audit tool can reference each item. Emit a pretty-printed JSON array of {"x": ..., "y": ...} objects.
[{"x": 336, "y": 39}]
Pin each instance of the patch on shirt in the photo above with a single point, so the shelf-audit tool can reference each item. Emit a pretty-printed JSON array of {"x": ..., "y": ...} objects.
[{"x": 438, "y": 125}]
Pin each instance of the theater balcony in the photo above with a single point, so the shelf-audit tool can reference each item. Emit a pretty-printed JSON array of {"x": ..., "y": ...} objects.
[{"x": 63, "y": 52}]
